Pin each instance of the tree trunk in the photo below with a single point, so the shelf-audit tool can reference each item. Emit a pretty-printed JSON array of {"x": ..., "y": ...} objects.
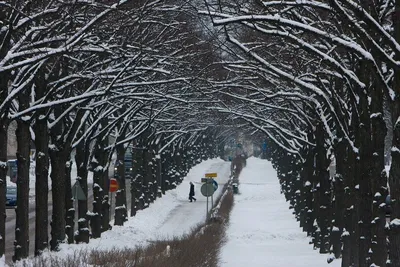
[
  {"x": 147, "y": 178},
  {"x": 394, "y": 174},
  {"x": 152, "y": 183},
  {"x": 324, "y": 217},
  {"x": 379, "y": 179},
  {"x": 58, "y": 159},
  {"x": 21, "y": 243},
  {"x": 165, "y": 158},
  {"x": 355, "y": 214},
  {"x": 119, "y": 203},
  {"x": 4, "y": 122},
  {"x": 159, "y": 176},
  {"x": 339, "y": 205},
  {"x": 69, "y": 205},
  {"x": 41, "y": 185},
  {"x": 135, "y": 181},
  {"x": 122, "y": 189},
  {"x": 105, "y": 205},
  {"x": 140, "y": 180},
  {"x": 3, "y": 181},
  {"x": 98, "y": 182},
  {"x": 104, "y": 182},
  {"x": 82, "y": 159},
  {"x": 365, "y": 184},
  {"x": 308, "y": 187}
]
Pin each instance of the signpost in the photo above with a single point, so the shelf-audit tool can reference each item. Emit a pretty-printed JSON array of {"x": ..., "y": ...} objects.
[
  {"x": 77, "y": 194},
  {"x": 208, "y": 188},
  {"x": 112, "y": 187}
]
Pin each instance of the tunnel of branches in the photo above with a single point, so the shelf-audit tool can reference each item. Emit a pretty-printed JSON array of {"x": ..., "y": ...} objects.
[{"x": 314, "y": 83}]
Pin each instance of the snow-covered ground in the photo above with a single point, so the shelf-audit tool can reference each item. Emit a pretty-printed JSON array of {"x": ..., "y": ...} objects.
[{"x": 262, "y": 230}]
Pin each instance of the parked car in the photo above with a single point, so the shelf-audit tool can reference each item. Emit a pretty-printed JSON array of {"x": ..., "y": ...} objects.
[
  {"x": 11, "y": 196},
  {"x": 12, "y": 170},
  {"x": 128, "y": 166}
]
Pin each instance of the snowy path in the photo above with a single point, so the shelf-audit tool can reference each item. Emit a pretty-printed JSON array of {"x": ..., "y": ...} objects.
[
  {"x": 262, "y": 231},
  {"x": 188, "y": 214}
]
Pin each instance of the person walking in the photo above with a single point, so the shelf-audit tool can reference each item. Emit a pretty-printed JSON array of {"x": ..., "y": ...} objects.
[{"x": 191, "y": 192}]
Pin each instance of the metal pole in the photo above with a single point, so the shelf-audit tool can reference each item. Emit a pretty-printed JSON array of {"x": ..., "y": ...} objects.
[
  {"x": 212, "y": 201},
  {"x": 76, "y": 202},
  {"x": 207, "y": 201},
  {"x": 111, "y": 194}
]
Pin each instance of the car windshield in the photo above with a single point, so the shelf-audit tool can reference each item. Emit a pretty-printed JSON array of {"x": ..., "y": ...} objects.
[
  {"x": 11, "y": 190},
  {"x": 128, "y": 161}
]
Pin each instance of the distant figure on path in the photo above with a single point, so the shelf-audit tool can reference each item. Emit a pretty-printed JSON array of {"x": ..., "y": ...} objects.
[{"x": 191, "y": 192}]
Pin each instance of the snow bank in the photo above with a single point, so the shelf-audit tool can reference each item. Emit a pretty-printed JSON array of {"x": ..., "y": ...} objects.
[{"x": 262, "y": 231}]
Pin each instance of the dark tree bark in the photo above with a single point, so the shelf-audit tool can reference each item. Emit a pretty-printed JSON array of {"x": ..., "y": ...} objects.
[
  {"x": 151, "y": 181},
  {"x": 69, "y": 205},
  {"x": 104, "y": 180},
  {"x": 135, "y": 181},
  {"x": 98, "y": 183},
  {"x": 58, "y": 159},
  {"x": 353, "y": 196},
  {"x": 139, "y": 180},
  {"x": 62, "y": 135},
  {"x": 379, "y": 179},
  {"x": 4, "y": 122},
  {"x": 42, "y": 174},
  {"x": 3, "y": 181},
  {"x": 158, "y": 175},
  {"x": 394, "y": 174},
  {"x": 82, "y": 159},
  {"x": 105, "y": 205},
  {"x": 165, "y": 165},
  {"x": 366, "y": 163},
  {"x": 324, "y": 214},
  {"x": 21, "y": 245},
  {"x": 308, "y": 190},
  {"x": 145, "y": 180},
  {"x": 119, "y": 201},
  {"x": 338, "y": 203}
]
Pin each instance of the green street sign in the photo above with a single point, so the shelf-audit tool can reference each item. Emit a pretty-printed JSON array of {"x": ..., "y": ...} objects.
[{"x": 77, "y": 192}]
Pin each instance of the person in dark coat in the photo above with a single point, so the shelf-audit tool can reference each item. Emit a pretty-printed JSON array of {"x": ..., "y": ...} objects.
[{"x": 191, "y": 192}]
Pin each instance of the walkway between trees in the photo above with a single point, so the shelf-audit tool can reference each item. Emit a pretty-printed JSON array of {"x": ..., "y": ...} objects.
[
  {"x": 262, "y": 230},
  {"x": 187, "y": 215}
]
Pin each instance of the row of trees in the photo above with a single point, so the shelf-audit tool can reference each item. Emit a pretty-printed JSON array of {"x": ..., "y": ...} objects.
[
  {"x": 316, "y": 79},
  {"x": 321, "y": 79},
  {"x": 85, "y": 80}
]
